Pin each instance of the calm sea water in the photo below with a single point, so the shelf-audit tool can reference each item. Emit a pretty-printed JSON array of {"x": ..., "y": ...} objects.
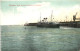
[{"x": 32, "y": 38}]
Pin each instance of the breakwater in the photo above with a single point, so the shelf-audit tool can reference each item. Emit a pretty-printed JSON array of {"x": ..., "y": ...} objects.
[{"x": 75, "y": 24}]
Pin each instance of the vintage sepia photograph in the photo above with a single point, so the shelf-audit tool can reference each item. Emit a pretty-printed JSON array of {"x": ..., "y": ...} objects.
[{"x": 40, "y": 25}]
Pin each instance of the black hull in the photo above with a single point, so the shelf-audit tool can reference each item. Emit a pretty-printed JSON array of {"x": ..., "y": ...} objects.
[{"x": 49, "y": 26}]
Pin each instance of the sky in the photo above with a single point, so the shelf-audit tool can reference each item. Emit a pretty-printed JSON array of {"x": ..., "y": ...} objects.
[{"x": 19, "y": 12}]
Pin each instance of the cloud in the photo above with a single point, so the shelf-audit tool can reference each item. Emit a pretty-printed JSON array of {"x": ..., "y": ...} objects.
[
  {"x": 39, "y": 0},
  {"x": 46, "y": 8},
  {"x": 32, "y": 13},
  {"x": 34, "y": 10}
]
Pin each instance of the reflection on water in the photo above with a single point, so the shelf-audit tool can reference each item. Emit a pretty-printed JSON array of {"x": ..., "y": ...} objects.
[{"x": 31, "y": 38}]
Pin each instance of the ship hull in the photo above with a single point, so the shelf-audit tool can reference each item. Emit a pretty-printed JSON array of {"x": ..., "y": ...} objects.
[{"x": 49, "y": 25}]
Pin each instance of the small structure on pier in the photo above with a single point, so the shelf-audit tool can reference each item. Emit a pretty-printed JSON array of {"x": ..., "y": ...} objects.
[
  {"x": 74, "y": 23},
  {"x": 74, "y": 17}
]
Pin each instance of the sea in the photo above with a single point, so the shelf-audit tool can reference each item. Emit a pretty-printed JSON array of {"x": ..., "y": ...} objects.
[{"x": 32, "y": 38}]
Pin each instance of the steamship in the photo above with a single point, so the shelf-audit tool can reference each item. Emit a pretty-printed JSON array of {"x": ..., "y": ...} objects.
[{"x": 45, "y": 23}]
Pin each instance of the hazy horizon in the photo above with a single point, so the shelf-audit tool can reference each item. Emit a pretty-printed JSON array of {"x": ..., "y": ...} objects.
[{"x": 21, "y": 12}]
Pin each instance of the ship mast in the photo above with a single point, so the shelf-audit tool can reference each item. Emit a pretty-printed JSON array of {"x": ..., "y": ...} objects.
[
  {"x": 51, "y": 15},
  {"x": 40, "y": 16}
]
